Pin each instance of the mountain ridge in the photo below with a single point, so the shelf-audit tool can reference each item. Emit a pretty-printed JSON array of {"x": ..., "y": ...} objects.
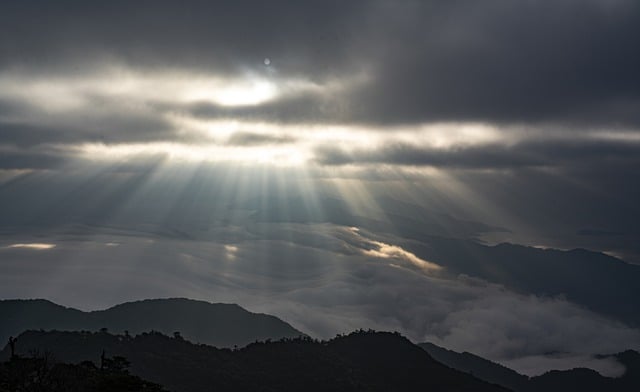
[
  {"x": 360, "y": 361},
  {"x": 217, "y": 324}
]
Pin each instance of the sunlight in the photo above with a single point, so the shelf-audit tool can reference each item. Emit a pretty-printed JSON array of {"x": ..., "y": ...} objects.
[
  {"x": 231, "y": 251},
  {"x": 387, "y": 251},
  {"x": 382, "y": 250},
  {"x": 264, "y": 143},
  {"x": 275, "y": 155}
]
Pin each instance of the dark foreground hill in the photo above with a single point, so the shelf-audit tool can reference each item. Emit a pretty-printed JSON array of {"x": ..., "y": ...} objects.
[
  {"x": 583, "y": 380},
  {"x": 40, "y": 374},
  {"x": 362, "y": 361},
  {"x": 220, "y": 325}
]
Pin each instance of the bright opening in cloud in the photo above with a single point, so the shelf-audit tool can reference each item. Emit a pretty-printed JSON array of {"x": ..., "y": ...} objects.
[
  {"x": 33, "y": 245},
  {"x": 230, "y": 251},
  {"x": 235, "y": 93},
  {"x": 387, "y": 251}
]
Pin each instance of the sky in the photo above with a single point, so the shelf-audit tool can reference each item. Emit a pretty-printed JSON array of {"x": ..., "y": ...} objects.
[{"x": 338, "y": 164}]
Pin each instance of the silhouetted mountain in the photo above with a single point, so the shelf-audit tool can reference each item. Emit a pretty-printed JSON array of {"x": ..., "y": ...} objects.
[
  {"x": 556, "y": 380},
  {"x": 602, "y": 283},
  {"x": 362, "y": 361},
  {"x": 220, "y": 325}
]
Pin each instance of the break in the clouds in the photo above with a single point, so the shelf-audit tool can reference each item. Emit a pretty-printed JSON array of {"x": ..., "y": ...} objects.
[
  {"x": 128, "y": 128},
  {"x": 164, "y": 74}
]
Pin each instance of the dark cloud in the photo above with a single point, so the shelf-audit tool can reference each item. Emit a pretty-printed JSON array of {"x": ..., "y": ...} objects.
[
  {"x": 599, "y": 233},
  {"x": 224, "y": 37},
  {"x": 567, "y": 61},
  {"x": 502, "y": 61}
]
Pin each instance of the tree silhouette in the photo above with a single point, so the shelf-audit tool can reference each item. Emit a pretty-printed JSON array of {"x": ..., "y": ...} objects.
[{"x": 12, "y": 345}]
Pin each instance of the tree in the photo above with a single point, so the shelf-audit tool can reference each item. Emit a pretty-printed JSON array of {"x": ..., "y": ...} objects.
[{"x": 12, "y": 345}]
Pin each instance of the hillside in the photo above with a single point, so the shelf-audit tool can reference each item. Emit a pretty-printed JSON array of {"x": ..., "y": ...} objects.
[
  {"x": 478, "y": 366},
  {"x": 543, "y": 272},
  {"x": 362, "y": 361},
  {"x": 220, "y": 325}
]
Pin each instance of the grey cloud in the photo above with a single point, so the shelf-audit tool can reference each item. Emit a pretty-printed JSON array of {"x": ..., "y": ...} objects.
[{"x": 598, "y": 233}]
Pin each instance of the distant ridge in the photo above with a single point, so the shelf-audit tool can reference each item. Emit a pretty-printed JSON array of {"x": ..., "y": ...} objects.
[
  {"x": 579, "y": 379},
  {"x": 599, "y": 282},
  {"x": 216, "y": 324}
]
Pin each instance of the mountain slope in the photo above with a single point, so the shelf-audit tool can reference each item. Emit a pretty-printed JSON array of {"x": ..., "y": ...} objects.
[
  {"x": 363, "y": 361},
  {"x": 477, "y": 366},
  {"x": 220, "y": 325},
  {"x": 543, "y": 272}
]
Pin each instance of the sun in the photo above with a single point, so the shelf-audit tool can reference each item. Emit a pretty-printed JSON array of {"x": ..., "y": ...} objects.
[{"x": 245, "y": 92}]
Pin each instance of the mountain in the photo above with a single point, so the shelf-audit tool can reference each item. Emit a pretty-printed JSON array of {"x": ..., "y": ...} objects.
[
  {"x": 578, "y": 379},
  {"x": 479, "y": 367},
  {"x": 600, "y": 282},
  {"x": 220, "y": 325},
  {"x": 361, "y": 361}
]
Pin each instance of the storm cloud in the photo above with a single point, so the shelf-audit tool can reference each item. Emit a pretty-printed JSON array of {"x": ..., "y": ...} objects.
[
  {"x": 567, "y": 61},
  {"x": 536, "y": 153}
]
